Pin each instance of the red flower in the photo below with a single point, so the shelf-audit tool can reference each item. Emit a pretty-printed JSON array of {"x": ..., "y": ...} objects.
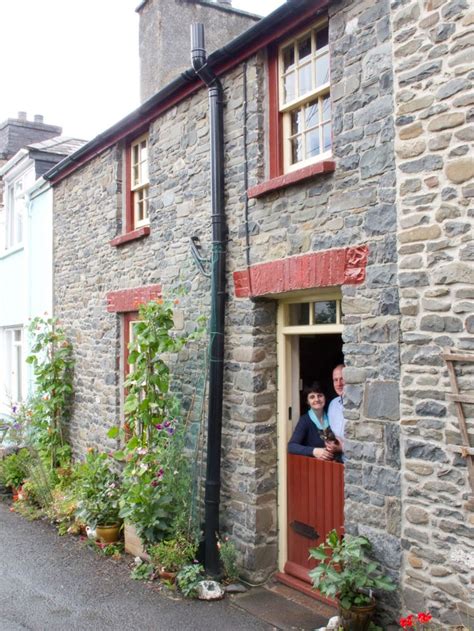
[
  {"x": 407, "y": 622},
  {"x": 424, "y": 617}
]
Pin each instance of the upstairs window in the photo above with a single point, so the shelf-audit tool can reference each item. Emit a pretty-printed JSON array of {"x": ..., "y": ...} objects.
[
  {"x": 139, "y": 181},
  {"x": 15, "y": 208},
  {"x": 304, "y": 98}
]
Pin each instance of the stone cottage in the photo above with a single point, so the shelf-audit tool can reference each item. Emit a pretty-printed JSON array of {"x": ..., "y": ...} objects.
[{"x": 348, "y": 181}]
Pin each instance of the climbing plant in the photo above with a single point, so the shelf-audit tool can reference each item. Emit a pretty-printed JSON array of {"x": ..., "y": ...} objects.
[
  {"x": 156, "y": 476},
  {"x": 52, "y": 361}
]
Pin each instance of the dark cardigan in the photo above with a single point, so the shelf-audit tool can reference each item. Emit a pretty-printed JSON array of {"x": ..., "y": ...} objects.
[{"x": 305, "y": 437}]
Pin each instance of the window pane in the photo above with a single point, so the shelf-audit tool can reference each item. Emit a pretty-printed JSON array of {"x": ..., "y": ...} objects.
[
  {"x": 322, "y": 70},
  {"x": 304, "y": 48},
  {"x": 144, "y": 173},
  {"x": 327, "y": 137},
  {"x": 288, "y": 57},
  {"x": 296, "y": 149},
  {"x": 296, "y": 122},
  {"x": 304, "y": 78},
  {"x": 299, "y": 314},
  {"x": 289, "y": 87},
  {"x": 325, "y": 312},
  {"x": 312, "y": 143},
  {"x": 326, "y": 108},
  {"x": 322, "y": 38},
  {"x": 18, "y": 384},
  {"x": 312, "y": 114}
]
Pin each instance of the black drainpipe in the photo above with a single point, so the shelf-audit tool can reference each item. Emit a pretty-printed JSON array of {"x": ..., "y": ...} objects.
[{"x": 216, "y": 342}]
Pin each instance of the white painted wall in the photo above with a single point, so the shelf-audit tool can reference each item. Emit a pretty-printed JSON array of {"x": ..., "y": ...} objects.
[{"x": 25, "y": 280}]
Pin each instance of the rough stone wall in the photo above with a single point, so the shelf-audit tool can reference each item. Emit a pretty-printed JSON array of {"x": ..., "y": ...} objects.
[
  {"x": 433, "y": 53},
  {"x": 353, "y": 206}
]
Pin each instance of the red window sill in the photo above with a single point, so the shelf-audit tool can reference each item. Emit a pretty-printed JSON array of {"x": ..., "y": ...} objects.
[
  {"x": 326, "y": 166},
  {"x": 139, "y": 233}
]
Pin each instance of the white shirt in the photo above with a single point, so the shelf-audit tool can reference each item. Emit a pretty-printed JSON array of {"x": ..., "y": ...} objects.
[{"x": 336, "y": 417}]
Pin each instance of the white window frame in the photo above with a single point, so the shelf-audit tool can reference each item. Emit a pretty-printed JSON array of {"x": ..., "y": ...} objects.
[
  {"x": 14, "y": 368},
  {"x": 15, "y": 214},
  {"x": 139, "y": 180},
  {"x": 316, "y": 93}
]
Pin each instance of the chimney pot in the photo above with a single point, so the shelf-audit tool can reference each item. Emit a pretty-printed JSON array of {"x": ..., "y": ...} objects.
[
  {"x": 38, "y": 118},
  {"x": 22, "y": 116}
]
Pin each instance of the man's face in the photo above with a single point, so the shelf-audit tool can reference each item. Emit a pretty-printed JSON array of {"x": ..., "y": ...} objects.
[{"x": 338, "y": 380}]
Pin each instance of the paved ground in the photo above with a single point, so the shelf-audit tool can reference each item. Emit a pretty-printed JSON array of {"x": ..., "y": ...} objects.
[{"x": 52, "y": 583}]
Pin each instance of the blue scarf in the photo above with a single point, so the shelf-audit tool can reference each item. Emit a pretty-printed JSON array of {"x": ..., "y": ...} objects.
[{"x": 314, "y": 418}]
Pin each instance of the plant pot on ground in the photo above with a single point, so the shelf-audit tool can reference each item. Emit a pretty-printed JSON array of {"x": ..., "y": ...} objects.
[
  {"x": 346, "y": 574},
  {"x": 171, "y": 555},
  {"x": 98, "y": 493}
]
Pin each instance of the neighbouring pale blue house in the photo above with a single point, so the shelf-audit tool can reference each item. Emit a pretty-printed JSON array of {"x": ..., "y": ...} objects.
[{"x": 25, "y": 257}]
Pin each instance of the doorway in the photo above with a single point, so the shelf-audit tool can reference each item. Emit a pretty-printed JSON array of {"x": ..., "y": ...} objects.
[{"x": 311, "y": 492}]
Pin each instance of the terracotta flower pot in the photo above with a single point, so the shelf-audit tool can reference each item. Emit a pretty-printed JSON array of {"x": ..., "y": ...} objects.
[
  {"x": 168, "y": 576},
  {"x": 356, "y": 618},
  {"x": 108, "y": 533}
]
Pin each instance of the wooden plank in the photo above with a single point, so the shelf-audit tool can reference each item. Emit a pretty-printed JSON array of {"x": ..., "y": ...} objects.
[
  {"x": 462, "y": 398},
  {"x": 458, "y": 357},
  {"x": 460, "y": 411},
  {"x": 461, "y": 449}
]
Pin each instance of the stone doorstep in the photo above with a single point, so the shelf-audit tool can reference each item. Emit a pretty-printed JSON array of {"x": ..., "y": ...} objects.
[{"x": 284, "y": 607}]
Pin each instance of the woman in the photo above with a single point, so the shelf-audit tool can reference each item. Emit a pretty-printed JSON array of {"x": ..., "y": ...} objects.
[{"x": 307, "y": 439}]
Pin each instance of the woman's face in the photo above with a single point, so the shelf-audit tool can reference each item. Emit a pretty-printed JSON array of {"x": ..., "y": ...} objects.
[{"x": 316, "y": 401}]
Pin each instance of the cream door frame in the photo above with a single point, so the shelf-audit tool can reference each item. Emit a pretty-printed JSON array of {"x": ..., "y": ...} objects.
[{"x": 286, "y": 392}]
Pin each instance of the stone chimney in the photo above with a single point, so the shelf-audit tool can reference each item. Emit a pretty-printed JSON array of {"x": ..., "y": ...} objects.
[
  {"x": 164, "y": 38},
  {"x": 16, "y": 133}
]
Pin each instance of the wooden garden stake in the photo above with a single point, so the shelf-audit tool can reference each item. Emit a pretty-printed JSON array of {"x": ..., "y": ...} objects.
[{"x": 465, "y": 449}]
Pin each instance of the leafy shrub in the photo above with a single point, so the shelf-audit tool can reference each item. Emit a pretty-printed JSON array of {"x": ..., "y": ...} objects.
[
  {"x": 170, "y": 555},
  {"x": 345, "y": 572},
  {"x": 14, "y": 468},
  {"x": 97, "y": 490},
  {"x": 228, "y": 556},
  {"x": 188, "y": 579}
]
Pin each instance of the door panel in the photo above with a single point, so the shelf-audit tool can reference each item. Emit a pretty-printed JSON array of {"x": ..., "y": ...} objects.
[{"x": 315, "y": 507}]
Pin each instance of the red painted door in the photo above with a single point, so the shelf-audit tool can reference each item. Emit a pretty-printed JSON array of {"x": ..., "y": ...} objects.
[{"x": 315, "y": 506}]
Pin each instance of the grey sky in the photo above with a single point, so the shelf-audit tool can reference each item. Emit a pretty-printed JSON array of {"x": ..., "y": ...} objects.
[{"x": 75, "y": 61}]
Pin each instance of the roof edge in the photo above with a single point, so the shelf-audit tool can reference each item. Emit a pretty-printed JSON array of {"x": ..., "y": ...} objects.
[{"x": 267, "y": 30}]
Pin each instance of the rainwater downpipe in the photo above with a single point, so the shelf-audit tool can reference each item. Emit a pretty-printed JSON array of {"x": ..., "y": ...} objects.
[{"x": 218, "y": 297}]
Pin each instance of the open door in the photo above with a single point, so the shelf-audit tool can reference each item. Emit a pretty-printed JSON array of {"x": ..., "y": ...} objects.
[{"x": 311, "y": 492}]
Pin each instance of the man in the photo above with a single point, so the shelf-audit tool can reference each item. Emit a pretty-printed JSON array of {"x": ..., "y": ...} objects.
[{"x": 335, "y": 410}]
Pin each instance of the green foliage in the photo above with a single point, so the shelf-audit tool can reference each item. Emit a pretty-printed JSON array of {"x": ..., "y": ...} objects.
[
  {"x": 156, "y": 477},
  {"x": 52, "y": 362},
  {"x": 188, "y": 579},
  {"x": 97, "y": 490},
  {"x": 228, "y": 556},
  {"x": 18, "y": 424},
  {"x": 170, "y": 555},
  {"x": 345, "y": 572},
  {"x": 14, "y": 468},
  {"x": 148, "y": 400},
  {"x": 142, "y": 571}
]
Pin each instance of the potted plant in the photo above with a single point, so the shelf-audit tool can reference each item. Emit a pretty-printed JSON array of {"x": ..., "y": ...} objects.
[
  {"x": 171, "y": 555},
  {"x": 346, "y": 574},
  {"x": 14, "y": 470},
  {"x": 98, "y": 494}
]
